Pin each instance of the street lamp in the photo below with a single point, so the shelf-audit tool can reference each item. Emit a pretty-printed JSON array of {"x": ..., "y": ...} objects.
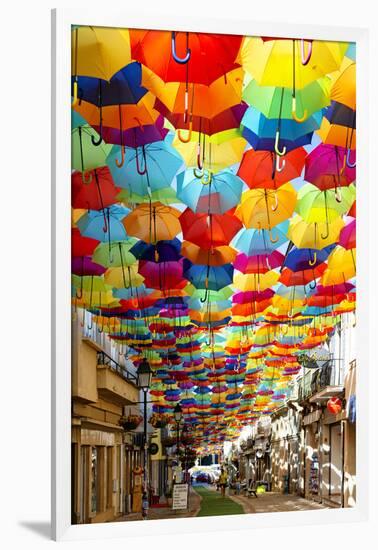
[{"x": 144, "y": 376}]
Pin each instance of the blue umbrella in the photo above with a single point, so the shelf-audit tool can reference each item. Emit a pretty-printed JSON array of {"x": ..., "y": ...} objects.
[
  {"x": 105, "y": 226},
  {"x": 123, "y": 88},
  {"x": 163, "y": 251},
  {"x": 259, "y": 241},
  {"x": 300, "y": 259},
  {"x": 145, "y": 169},
  {"x": 209, "y": 193},
  {"x": 208, "y": 277}
]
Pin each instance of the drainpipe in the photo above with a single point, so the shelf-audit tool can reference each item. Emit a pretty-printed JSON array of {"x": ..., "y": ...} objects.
[{"x": 342, "y": 463}]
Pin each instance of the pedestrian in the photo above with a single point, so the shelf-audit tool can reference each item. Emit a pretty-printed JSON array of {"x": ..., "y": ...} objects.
[
  {"x": 237, "y": 483},
  {"x": 223, "y": 481}
]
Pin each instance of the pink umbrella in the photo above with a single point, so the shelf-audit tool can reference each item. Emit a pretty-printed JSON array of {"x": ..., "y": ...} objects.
[
  {"x": 347, "y": 237},
  {"x": 260, "y": 263},
  {"x": 326, "y": 167},
  {"x": 163, "y": 275},
  {"x": 252, "y": 296}
]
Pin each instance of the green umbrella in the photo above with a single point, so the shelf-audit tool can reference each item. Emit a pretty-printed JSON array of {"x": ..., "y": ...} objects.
[
  {"x": 308, "y": 100},
  {"x": 166, "y": 196},
  {"x": 119, "y": 256},
  {"x": 85, "y": 155},
  {"x": 212, "y": 295}
]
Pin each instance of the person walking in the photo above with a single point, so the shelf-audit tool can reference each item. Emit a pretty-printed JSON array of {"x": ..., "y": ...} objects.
[{"x": 223, "y": 481}]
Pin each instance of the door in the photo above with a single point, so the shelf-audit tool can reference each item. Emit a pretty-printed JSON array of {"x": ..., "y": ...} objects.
[{"x": 336, "y": 463}]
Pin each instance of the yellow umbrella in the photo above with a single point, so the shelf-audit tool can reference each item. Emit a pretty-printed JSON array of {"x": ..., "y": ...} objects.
[
  {"x": 341, "y": 266},
  {"x": 251, "y": 281},
  {"x": 271, "y": 62},
  {"x": 308, "y": 235},
  {"x": 265, "y": 208},
  {"x": 218, "y": 152},
  {"x": 119, "y": 277},
  {"x": 99, "y": 299},
  {"x": 99, "y": 52}
]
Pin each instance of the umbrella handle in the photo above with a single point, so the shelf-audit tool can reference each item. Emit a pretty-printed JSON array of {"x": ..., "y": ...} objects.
[
  {"x": 271, "y": 238},
  {"x": 186, "y": 105},
  {"x": 199, "y": 161},
  {"x": 326, "y": 235},
  {"x": 294, "y": 111},
  {"x": 181, "y": 60},
  {"x": 140, "y": 172},
  {"x": 348, "y": 161},
  {"x": 338, "y": 197},
  {"x": 313, "y": 262},
  {"x": 141, "y": 127},
  {"x": 275, "y": 205},
  {"x": 75, "y": 94},
  {"x": 312, "y": 287},
  {"x": 280, "y": 166},
  {"x": 97, "y": 142},
  {"x": 279, "y": 152},
  {"x": 189, "y": 136},
  {"x": 199, "y": 175},
  {"x": 79, "y": 296},
  {"x": 286, "y": 331},
  {"x": 122, "y": 161},
  {"x": 87, "y": 177},
  {"x": 206, "y": 179},
  {"x": 290, "y": 314},
  {"x": 305, "y": 58}
]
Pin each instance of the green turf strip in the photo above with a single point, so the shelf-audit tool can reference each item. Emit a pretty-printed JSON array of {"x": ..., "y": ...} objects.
[{"x": 213, "y": 504}]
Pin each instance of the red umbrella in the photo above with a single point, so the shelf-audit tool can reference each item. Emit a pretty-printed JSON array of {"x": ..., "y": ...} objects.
[
  {"x": 347, "y": 237},
  {"x": 82, "y": 246},
  {"x": 186, "y": 56},
  {"x": 301, "y": 278},
  {"x": 97, "y": 194},
  {"x": 208, "y": 231},
  {"x": 266, "y": 169}
]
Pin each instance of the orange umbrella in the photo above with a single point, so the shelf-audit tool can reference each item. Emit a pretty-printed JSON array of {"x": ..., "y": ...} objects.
[
  {"x": 153, "y": 223},
  {"x": 301, "y": 278},
  {"x": 219, "y": 255},
  {"x": 344, "y": 89}
]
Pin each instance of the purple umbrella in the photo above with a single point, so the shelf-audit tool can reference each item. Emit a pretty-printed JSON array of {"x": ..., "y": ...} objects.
[
  {"x": 137, "y": 136},
  {"x": 326, "y": 167}
]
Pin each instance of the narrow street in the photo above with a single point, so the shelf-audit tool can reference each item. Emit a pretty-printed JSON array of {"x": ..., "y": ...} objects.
[{"x": 205, "y": 500}]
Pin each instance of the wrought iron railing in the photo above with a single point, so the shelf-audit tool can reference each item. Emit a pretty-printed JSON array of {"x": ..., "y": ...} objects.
[
  {"x": 105, "y": 359},
  {"x": 315, "y": 380}
]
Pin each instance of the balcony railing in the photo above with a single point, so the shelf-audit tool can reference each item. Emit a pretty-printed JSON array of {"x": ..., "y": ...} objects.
[
  {"x": 315, "y": 380},
  {"x": 105, "y": 359}
]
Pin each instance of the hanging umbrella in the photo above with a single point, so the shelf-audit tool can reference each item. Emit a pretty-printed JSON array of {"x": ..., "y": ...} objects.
[
  {"x": 279, "y": 62},
  {"x": 210, "y": 231},
  {"x": 153, "y": 223},
  {"x": 327, "y": 169},
  {"x": 119, "y": 278},
  {"x": 347, "y": 237},
  {"x": 302, "y": 277},
  {"x": 98, "y": 52},
  {"x": 259, "y": 263},
  {"x": 311, "y": 235},
  {"x": 83, "y": 265},
  {"x": 279, "y": 135},
  {"x": 164, "y": 275},
  {"x": 261, "y": 241},
  {"x": 344, "y": 88},
  {"x": 104, "y": 226},
  {"x": 213, "y": 153},
  {"x": 185, "y": 57},
  {"x": 255, "y": 283},
  {"x": 145, "y": 169},
  {"x": 95, "y": 195},
  {"x": 299, "y": 259},
  {"x": 265, "y": 208},
  {"x": 209, "y": 193},
  {"x": 325, "y": 206},
  {"x": 120, "y": 253},
  {"x": 162, "y": 251},
  {"x": 217, "y": 256},
  {"x": 265, "y": 169},
  {"x": 340, "y": 130},
  {"x": 267, "y": 99},
  {"x": 124, "y": 87},
  {"x": 85, "y": 155},
  {"x": 82, "y": 246},
  {"x": 137, "y": 135},
  {"x": 208, "y": 277}
]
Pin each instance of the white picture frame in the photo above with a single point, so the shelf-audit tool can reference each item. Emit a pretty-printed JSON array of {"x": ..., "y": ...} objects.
[{"x": 61, "y": 264}]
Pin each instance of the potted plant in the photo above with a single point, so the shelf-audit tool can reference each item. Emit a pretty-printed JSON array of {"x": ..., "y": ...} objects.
[
  {"x": 159, "y": 420},
  {"x": 130, "y": 422}
]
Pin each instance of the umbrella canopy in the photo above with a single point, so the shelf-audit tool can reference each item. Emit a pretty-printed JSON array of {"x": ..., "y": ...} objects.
[
  {"x": 209, "y": 193},
  {"x": 153, "y": 223},
  {"x": 209, "y": 231}
]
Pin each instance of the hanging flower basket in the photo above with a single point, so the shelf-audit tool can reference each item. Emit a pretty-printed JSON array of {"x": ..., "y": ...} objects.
[
  {"x": 130, "y": 422},
  {"x": 168, "y": 441},
  {"x": 159, "y": 420}
]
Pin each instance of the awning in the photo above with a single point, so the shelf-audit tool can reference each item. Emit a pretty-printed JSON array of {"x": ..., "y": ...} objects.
[{"x": 326, "y": 393}]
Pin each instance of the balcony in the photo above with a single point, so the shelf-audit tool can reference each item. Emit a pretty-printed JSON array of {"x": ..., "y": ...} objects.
[
  {"x": 320, "y": 384},
  {"x": 115, "y": 382}
]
